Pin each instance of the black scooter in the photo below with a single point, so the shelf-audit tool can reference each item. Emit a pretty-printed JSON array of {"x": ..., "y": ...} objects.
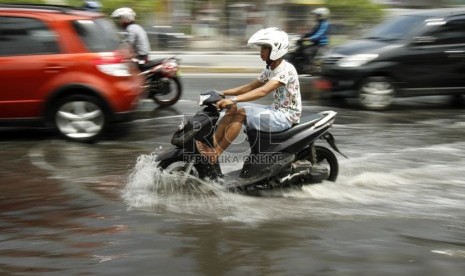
[{"x": 276, "y": 160}]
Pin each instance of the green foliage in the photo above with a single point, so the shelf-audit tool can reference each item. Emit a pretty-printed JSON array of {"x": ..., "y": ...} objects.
[
  {"x": 140, "y": 6},
  {"x": 76, "y": 3},
  {"x": 108, "y": 6},
  {"x": 356, "y": 12},
  {"x": 28, "y": 2}
]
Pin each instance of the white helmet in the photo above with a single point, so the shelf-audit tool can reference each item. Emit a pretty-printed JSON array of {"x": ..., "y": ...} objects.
[
  {"x": 124, "y": 13},
  {"x": 92, "y": 5},
  {"x": 321, "y": 12},
  {"x": 273, "y": 37}
]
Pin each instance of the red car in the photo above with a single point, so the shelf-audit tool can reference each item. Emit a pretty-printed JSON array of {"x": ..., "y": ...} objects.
[{"x": 66, "y": 68}]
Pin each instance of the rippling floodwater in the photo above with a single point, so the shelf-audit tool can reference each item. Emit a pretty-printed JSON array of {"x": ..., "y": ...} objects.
[{"x": 398, "y": 207}]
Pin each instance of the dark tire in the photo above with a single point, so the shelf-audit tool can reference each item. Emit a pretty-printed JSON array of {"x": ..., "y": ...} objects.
[
  {"x": 81, "y": 118},
  {"x": 376, "y": 93},
  {"x": 185, "y": 183},
  {"x": 325, "y": 157},
  {"x": 178, "y": 165},
  {"x": 457, "y": 101},
  {"x": 170, "y": 90}
]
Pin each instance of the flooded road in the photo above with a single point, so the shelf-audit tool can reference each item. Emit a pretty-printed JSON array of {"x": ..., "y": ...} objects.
[{"x": 398, "y": 206}]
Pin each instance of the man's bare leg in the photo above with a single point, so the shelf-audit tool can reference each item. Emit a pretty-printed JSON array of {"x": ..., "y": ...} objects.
[
  {"x": 228, "y": 129},
  {"x": 231, "y": 117},
  {"x": 230, "y": 132},
  {"x": 221, "y": 128}
]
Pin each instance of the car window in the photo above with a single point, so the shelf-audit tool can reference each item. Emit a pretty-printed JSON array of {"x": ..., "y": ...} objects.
[
  {"x": 453, "y": 32},
  {"x": 26, "y": 36},
  {"x": 396, "y": 28},
  {"x": 99, "y": 35}
]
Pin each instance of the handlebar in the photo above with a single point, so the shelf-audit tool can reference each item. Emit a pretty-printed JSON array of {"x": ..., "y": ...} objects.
[{"x": 210, "y": 97}]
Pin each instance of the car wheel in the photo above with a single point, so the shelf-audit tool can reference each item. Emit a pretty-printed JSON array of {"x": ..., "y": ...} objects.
[
  {"x": 376, "y": 93},
  {"x": 80, "y": 118}
]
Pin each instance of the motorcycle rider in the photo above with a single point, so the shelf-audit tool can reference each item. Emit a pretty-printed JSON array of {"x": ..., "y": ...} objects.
[
  {"x": 316, "y": 40},
  {"x": 136, "y": 35},
  {"x": 279, "y": 77}
]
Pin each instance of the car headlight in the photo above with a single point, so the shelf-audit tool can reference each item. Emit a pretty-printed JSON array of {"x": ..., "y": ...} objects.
[{"x": 356, "y": 60}]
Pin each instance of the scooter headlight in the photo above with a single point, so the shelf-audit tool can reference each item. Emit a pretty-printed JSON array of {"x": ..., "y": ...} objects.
[{"x": 356, "y": 60}]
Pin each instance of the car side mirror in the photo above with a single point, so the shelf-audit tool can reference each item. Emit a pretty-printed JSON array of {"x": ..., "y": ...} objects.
[{"x": 421, "y": 40}]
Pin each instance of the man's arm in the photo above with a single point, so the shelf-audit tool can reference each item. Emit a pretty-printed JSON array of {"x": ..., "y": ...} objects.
[
  {"x": 257, "y": 93},
  {"x": 243, "y": 88},
  {"x": 320, "y": 32},
  {"x": 131, "y": 37}
]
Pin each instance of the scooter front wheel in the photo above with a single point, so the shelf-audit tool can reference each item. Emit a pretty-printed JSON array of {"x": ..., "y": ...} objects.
[
  {"x": 183, "y": 178},
  {"x": 180, "y": 167}
]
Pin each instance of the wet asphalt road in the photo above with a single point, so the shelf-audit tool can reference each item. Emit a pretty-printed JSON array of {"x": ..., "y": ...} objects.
[{"x": 397, "y": 207}]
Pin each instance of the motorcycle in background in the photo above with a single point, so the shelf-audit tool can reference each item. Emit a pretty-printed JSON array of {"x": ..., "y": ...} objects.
[
  {"x": 306, "y": 59},
  {"x": 162, "y": 80}
]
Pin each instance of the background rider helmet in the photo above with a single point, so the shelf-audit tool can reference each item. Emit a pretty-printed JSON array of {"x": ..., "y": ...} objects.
[
  {"x": 125, "y": 15},
  {"x": 92, "y": 6},
  {"x": 321, "y": 13}
]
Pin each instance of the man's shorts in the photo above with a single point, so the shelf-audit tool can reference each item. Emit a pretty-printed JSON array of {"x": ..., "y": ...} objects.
[{"x": 265, "y": 118}]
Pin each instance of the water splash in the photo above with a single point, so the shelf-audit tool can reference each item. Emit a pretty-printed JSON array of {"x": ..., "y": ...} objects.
[
  {"x": 401, "y": 183},
  {"x": 450, "y": 252},
  {"x": 149, "y": 187}
]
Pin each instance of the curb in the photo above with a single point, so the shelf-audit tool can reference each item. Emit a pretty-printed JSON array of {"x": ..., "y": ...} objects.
[
  {"x": 204, "y": 52},
  {"x": 192, "y": 67},
  {"x": 212, "y": 69}
]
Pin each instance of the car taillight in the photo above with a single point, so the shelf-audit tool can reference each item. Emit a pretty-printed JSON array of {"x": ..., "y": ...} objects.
[
  {"x": 112, "y": 63},
  {"x": 170, "y": 68},
  {"x": 322, "y": 84}
]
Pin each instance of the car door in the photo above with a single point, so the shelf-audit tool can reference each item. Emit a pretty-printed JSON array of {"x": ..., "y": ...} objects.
[
  {"x": 436, "y": 58},
  {"x": 451, "y": 38},
  {"x": 27, "y": 53}
]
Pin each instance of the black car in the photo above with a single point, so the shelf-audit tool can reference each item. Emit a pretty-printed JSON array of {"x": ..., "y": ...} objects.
[{"x": 417, "y": 54}]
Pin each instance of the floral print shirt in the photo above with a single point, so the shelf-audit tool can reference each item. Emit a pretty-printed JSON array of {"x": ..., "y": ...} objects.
[{"x": 287, "y": 97}]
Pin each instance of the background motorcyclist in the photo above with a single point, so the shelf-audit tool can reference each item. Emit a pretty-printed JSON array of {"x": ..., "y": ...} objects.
[
  {"x": 279, "y": 77},
  {"x": 136, "y": 35},
  {"x": 316, "y": 40}
]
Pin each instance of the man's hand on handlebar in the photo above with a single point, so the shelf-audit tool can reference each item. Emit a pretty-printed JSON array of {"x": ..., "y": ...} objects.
[{"x": 225, "y": 104}]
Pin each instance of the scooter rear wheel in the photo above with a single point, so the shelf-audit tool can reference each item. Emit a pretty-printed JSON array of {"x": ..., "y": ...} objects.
[
  {"x": 325, "y": 157},
  {"x": 167, "y": 91}
]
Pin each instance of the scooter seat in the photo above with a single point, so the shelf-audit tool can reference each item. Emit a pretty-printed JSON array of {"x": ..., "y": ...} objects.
[
  {"x": 306, "y": 122},
  {"x": 151, "y": 63}
]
